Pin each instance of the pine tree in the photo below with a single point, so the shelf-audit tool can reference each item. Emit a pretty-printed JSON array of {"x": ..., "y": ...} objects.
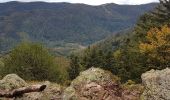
[
  {"x": 162, "y": 12},
  {"x": 75, "y": 67},
  {"x": 157, "y": 18}
]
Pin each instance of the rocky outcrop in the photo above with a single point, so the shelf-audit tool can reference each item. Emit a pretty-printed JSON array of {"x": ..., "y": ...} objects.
[
  {"x": 12, "y": 81},
  {"x": 97, "y": 84},
  {"x": 52, "y": 92},
  {"x": 157, "y": 85},
  {"x": 92, "y": 84}
]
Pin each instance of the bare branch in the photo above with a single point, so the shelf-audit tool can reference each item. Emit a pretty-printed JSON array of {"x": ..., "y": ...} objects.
[{"x": 21, "y": 91}]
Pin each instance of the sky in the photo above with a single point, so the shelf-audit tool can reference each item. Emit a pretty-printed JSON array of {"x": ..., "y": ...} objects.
[{"x": 94, "y": 2}]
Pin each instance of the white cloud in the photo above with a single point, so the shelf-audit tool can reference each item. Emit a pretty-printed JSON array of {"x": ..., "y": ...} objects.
[
  {"x": 139, "y": 1},
  {"x": 95, "y": 2}
]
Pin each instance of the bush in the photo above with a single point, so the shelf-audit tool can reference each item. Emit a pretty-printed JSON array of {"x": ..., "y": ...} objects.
[
  {"x": 1, "y": 64},
  {"x": 1, "y": 67},
  {"x": 32, "y": 62}
]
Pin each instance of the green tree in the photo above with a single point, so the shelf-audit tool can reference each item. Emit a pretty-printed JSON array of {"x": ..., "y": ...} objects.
[
  {"x": 32, "y": 62},
  {"x": 162, "y": 12},
  {"x": 132, "y": 61},
  {"x": 108, "y": 62},
  {"x": 157, "y": 18},
  {"x": 75, "y": 67},
  {"x": 129, "y": 63}
]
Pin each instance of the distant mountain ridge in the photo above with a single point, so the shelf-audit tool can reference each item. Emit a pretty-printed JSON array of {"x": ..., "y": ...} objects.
[{"x": 59, "y": 24}]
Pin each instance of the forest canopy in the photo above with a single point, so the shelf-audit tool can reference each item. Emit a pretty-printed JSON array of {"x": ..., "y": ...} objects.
[{"x": 128, "y": 56}]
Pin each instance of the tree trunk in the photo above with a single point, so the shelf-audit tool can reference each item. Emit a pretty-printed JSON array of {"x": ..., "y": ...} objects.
[{"x": 21, "y": 91}]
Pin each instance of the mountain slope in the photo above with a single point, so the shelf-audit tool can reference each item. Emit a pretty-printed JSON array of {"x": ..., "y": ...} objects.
[{"x": 58, "y": 24}]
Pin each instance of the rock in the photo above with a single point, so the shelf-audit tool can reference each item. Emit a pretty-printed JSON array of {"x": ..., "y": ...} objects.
[
  {"x": 12, "y": 81},
  {"x": 92, "y": 84},
  {"x": 132, "y": 92},
  {"x": 95, "y": 75},
  {"x": 52, "y": 92},
  {"x": 97, "y": 84},
  {"x": 157, "y": 85},
  {"x": 89, "y": 85},
  {"x": 69, "y": 93}
]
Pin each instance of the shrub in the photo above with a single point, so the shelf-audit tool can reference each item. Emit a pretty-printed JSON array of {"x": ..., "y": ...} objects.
[
  {"x": 1, "y": 67},
  {"x": 31, "y": 61}
]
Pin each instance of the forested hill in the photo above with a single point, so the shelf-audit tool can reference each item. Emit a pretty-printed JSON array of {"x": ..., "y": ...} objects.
[{"x": 58, "y": 24}]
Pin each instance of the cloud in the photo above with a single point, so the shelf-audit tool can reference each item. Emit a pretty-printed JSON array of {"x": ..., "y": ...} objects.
[
  {"x": 138, "y": 1},
  {"x": 95, "y": 2}
]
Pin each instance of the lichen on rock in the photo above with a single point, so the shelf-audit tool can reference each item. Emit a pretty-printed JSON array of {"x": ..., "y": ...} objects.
[
  {"x": 12, "y": 81},
  {"x": 89, "y": 84},
  {"x": 157, "y": 85},
  {"x": 95, "y": 75},
  {"x": 98, "y": 84},
  {"x": 53, "y": 91},
  {"x": 92, "y": 84}
]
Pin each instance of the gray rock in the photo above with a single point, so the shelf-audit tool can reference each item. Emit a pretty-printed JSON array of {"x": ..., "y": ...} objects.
[
  {"x": 157, "y": 85},
  {"x": 52, "y": 92},
  {"x": 91, "y": 85},
  {"x": 95, "y": 75},
  {"x": 12, "y": 81}
]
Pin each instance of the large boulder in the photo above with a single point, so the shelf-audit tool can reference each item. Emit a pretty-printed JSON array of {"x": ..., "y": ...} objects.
[
  {"x": 95, "y": 75},
  {"x": 97, "y": 84},
  {"x": 12, "y": 81},
  {"x": 53, "y": 91},
  {"x": 91, "y": 85},
  {"x": 157, "y": 85}
]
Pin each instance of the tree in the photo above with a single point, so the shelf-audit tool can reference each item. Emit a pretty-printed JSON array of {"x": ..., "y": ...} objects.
[
  {"x": 162, "y": 12},
  {"x": 129, "y": 63},
  {"x": 75, "y": 67},
  {"x": 32, "y": 62},
  {"x": 157, "y": 18},
  {"x": 157, "y": 47},
  {"x": 92, "y": 58},
  {"x": 109, "y": 62}
]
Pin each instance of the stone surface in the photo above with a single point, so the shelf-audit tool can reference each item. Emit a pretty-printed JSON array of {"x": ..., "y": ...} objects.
[
  {"x": 12, "y": 81},
  {"x": 86, "y": 85},
  {"x": 92, "y": 84},
  {"x": 98, "y": 84},
  {"x": 157, "y": 85},
  {"x": 52, "y": 92}
]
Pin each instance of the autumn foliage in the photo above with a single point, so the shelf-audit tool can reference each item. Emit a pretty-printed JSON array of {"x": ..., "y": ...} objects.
[{"x": 157, "y": 47}]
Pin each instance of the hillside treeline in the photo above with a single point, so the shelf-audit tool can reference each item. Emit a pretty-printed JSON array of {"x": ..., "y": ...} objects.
[{"x": 128, "y": 56}]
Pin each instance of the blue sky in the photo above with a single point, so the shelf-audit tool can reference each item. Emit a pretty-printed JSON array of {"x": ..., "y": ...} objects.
[{"x": 94, "y": 2}]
